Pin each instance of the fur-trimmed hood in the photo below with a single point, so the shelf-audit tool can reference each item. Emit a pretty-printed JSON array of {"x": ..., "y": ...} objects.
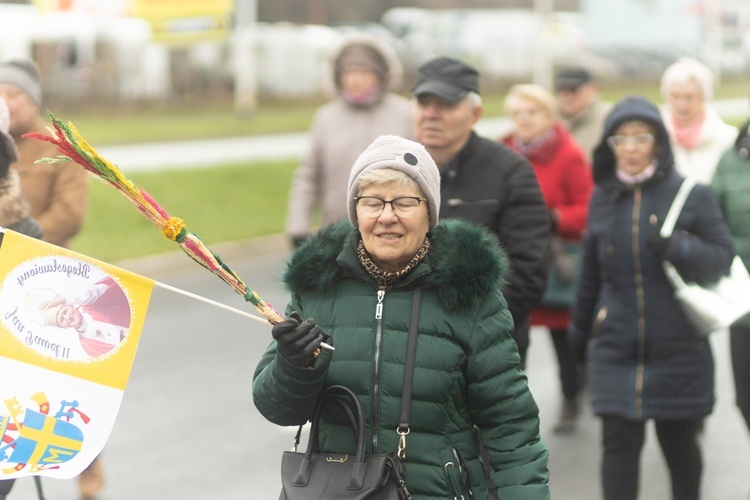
[
  {"x": 464, "y": 264},
  {"x": 395, "y": 69},
  {"x": 13, "y": 205}
]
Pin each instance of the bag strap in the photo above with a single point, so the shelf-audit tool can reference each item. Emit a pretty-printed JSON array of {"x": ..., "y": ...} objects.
[
  {"x": 674, "y": 211},
  {"x": 353, "y": 409},
  {"x": 668, "y": 227},
  {"x": 411, "y": 355}
]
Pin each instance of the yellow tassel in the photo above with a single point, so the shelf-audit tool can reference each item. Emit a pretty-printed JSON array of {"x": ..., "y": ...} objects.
[{"x": 173, "y": 228}]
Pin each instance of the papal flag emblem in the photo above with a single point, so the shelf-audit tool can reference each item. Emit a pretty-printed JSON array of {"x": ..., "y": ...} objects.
[
  {"x": 69, "y": 330},
  {"x": 40, "y": 439}
]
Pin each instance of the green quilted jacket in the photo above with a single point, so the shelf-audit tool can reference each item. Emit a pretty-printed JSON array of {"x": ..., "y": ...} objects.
[
  {"x": 467, "y": 383},
  {"x": 731, "y": 184}
]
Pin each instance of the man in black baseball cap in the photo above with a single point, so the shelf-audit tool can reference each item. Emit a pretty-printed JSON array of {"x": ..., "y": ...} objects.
[
  {"x": 483, "y": 180},
  {"x": 580, "y": 107},
  {"x": 486, "y": 182},
  {"x": 571, "y": 78},
  {"x": 446, "y": 84},
  {"x": 448, "y": 78}
]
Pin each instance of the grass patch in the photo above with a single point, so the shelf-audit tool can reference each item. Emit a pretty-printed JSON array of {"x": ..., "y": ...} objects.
[
  {"x": 158, "y": 124},
  {"x": 224, "y": 203},
  {"x": 137, "y": 124}
]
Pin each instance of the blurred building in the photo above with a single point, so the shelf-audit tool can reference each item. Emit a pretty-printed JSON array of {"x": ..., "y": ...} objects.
[
  {"x": 508, "y": 45},
  {"x": 174, "y": 51},
  {"x": 642, "y": 37},
  {"x": 103, "y": 50},
  {"x": 727, "y": 35}
]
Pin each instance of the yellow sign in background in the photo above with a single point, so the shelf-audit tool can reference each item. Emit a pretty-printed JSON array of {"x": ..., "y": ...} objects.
[
  {"x": 172, "y": 21},
  {"x": 180, "y": 20}
]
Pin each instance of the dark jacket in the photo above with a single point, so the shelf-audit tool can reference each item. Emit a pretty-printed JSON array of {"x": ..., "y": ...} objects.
[
  {"x": 467, "y": 372},
  {"x": 490, "y": 184},
  {"x": 644, "y": 358},
  {"x": 731, "y": 184}
]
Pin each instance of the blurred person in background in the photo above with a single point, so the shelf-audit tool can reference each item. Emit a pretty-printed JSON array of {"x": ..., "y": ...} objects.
[
  {"x": 645, "y": 360},
  {"x": 699, "y": 136},
  {"x": 731, "y": 183},
  {"x": 484, "y": 181},
  {"x": 564, "y": 177},
  {"x": 580, "y": 107},
  {"x": 364, "y": 72},
  {"x": 58, "y": 193}
]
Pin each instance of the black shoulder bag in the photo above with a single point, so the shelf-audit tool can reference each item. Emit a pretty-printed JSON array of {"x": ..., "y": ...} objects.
[{"x": 315, "y": 475}]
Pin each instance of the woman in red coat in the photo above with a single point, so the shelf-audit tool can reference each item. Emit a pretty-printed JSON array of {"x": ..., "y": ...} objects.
[{"x": 565, "y": 179}]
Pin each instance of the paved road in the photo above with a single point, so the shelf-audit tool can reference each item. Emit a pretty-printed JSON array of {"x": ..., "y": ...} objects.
[{"x": 188, "y": 430}]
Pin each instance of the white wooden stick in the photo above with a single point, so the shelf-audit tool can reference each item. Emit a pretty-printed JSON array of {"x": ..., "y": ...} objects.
[{"x": 224, "y": 306}]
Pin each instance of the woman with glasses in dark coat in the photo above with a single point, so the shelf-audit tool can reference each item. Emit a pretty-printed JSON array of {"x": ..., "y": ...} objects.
[{"x": 645, "y": 360}]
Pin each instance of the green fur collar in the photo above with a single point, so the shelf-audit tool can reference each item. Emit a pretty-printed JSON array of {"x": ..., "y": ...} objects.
[{"x": 465, "y": 262}]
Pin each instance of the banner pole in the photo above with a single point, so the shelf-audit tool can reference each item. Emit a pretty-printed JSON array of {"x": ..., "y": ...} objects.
[{"x": 223, "y": 306}]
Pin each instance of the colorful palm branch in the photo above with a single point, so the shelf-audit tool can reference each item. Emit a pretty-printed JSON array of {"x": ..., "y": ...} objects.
[{"x": 73, "y": 147}]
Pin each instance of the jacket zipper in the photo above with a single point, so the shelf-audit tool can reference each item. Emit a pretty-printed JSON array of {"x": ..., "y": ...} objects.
[
  {"x": 640, "y": 304},
  {"x": 376, "y": 369}
]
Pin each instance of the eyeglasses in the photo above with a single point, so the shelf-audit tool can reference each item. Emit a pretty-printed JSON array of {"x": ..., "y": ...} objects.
[
  {"x": 372, "y": 206},
  {"x": 620, "y": 141}
]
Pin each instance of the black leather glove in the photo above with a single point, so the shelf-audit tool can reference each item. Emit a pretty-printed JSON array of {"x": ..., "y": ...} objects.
[
  {"x": 658, "y": 245},
  {"x": 297, "y": 340}
]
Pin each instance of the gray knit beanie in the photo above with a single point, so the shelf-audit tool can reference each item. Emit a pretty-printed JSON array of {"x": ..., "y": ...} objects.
[
  {"x": 24, "y": 74},
  {"x": 390, "y": 151}
]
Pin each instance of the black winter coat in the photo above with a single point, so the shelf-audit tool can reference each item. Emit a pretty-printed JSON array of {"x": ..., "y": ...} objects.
[
  {"x": 644, "y": 358},
  {"x": 490, "y": 184}
]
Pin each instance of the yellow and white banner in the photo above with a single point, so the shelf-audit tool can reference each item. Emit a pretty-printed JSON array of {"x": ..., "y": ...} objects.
[
  {"x": 69, "y": 330},
  {"x": 179, "y": 21}
]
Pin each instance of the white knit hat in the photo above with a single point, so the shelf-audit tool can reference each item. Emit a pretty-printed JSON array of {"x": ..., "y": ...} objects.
[
  {"x": 6, "y": 141},
  {"x": 24, "y": 74},
  {"x": 390, "y": 151},
  {"x": 684, "y": 70}
]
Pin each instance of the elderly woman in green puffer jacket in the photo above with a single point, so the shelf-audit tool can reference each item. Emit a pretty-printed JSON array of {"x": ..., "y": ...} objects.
[
  {"x": 731, "y": 184},
  {"x": 356, "y": 280}
]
